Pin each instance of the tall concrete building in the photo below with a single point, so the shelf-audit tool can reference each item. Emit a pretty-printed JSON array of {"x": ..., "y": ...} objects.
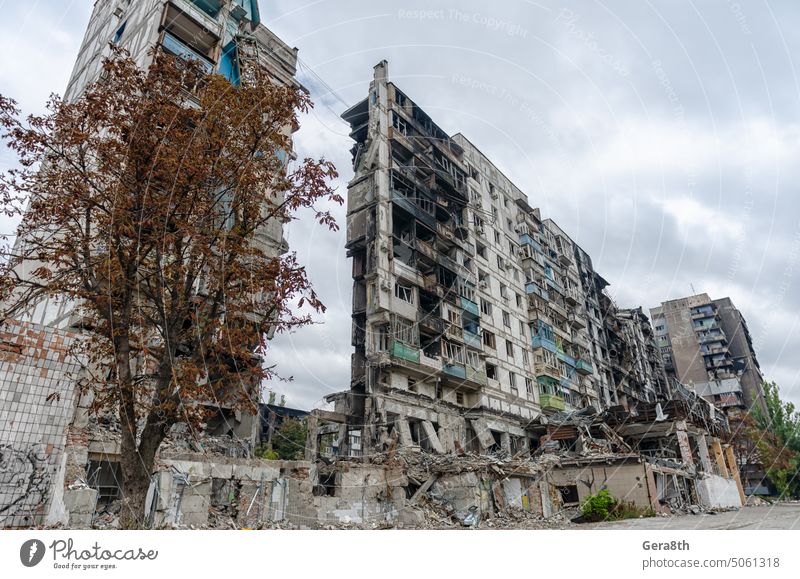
[
  {"x": 221, "y": 35},
  {"x": 226, "y": 37},
  {"x": 706, "y": 344},
  {"x": 473, "y": 317}
]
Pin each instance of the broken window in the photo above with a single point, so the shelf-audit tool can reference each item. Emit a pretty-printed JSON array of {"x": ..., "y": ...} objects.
[
  {"x": 512, "y": 381},
  {"x": 488, "y": 339},
  {"x": 404, "y": 292},
  {"x": 405, "y": 331},
  {"x": 480, "y": 250},
  {"x": 399, "y": 124},
  {"x": 473, "y": 359},
  {"x": 106, "y": 477},
  {"x": 529, "y": 387},
  {"x": 460, "y": 398},
  {"x": 569, "y": 494},
  {"x": 453, "y": 352},
  {"x": 510, "y": 349},
  {"x": 486, "y": 307},
  {"x": 506, "y": 319},
  {"x": 382, "y": 338},
  {"x": 491, "y": 371}
]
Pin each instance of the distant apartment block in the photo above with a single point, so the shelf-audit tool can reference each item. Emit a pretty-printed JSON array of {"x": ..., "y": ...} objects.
[{"x": 706, "y": 344}]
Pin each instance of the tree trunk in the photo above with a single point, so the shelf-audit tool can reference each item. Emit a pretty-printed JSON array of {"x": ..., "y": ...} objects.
[{"x": 135, "y": 467}]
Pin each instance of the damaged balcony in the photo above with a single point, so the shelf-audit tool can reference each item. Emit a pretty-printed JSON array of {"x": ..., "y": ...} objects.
[
  {"x": 552, "y": 402},
  {"x": 583, "y": 366}
]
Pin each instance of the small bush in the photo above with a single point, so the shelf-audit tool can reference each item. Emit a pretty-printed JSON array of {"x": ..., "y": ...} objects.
[
  {"x": 604, "y": 507},
  {"x": 598, "y": 507}
]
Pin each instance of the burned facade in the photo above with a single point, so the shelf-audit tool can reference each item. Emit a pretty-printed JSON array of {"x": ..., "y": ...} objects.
[{"x": 473, "y": 317}]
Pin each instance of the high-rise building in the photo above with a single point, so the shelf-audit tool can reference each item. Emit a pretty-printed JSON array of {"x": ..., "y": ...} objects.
[
  {"x": 473, "y": 318},
  {"x": 706, "y": 344},
  {"x": 221, "y": 35}
]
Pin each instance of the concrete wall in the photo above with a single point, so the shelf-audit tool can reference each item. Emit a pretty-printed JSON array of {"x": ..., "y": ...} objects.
[
  {"x": 37, "y": 397},
  {"x": 718, "y": 492},
  {"x": 624, "y": 481},
  {"x": 191, "y": 489}
]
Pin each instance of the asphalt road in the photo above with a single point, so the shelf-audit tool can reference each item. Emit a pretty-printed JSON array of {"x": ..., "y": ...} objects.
[{"x": 780, "y": 516}]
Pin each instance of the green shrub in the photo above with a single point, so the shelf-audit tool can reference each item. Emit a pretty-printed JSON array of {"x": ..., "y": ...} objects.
[
  {"x": 598, "y": 507},
  {"x": 604, "y": 507}
]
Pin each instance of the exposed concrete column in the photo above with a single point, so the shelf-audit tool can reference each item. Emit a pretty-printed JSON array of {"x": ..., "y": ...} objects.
[
  {"x": 505, "y": 442},
  {"x": 734, "y": 468},
  {"x": 433, "y": 438},
  {"x": 652, "y": 489},
  {"x": 702, "y": 451},
  {"x": 716, "y": 449},
  {"x": 403, "y": 432},
  {"x": 341, "y": 442},
  {"x": 683, "y": 444},
  {"x": 312, "y": 438}
]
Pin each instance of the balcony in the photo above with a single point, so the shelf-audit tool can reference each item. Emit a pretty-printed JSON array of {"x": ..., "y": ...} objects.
[
  {"x": 470, "y": 306},
  {"x": 430, "y": 321},
  {"x": 583, "y": 367},
  {"x": 202, "y": 15},
  {"x": 558, "y": 309},
  {"x": 432, "y": 363},
  {"x": 455, "y": 370},
  {"x": 547, "y": 344},
  {"x": 572, "y": 296},
  {"x": 419, "y": 207},
  {"x": 566, "y": 358},
  {"x": 577, "y": 320},
  {"x": 425, "y": 249},
  {"x": 709, "y": 338},
  {"x": 701, "y": 314},
  {"x": 405, "y": 352},
  {"x": 551, "y": 402},
  {"x": 476, "y": 375},
  {"x": 565, "y": 259},
  {"x": 555, "y": 285},
  {"x": 535, "y": 288},
  {"x": 472, "y": 340},
  {"x": 526, "y": 239},
  {"x": 174, "y": 46},
  {"x": 546, "y": 371},
  {"x": 719, "y": 363}
]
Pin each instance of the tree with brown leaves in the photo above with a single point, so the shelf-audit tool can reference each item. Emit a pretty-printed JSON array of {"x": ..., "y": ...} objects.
[{"x": 152, "y": 200}]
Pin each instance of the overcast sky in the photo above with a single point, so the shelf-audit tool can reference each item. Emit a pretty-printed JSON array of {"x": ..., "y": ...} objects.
[{"x": 663, "y": 136}]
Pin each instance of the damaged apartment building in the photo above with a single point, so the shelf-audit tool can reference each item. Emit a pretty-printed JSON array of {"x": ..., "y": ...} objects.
[
  {"x": 473, "y": 317},
  {"x": 482, "y": 330}
]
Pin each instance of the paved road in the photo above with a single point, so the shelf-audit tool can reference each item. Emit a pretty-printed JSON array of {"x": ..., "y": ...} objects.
[{"x": 781, "y": 516}]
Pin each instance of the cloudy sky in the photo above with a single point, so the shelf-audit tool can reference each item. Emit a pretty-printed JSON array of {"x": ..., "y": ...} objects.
[{"x": 663, "y": 135}]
